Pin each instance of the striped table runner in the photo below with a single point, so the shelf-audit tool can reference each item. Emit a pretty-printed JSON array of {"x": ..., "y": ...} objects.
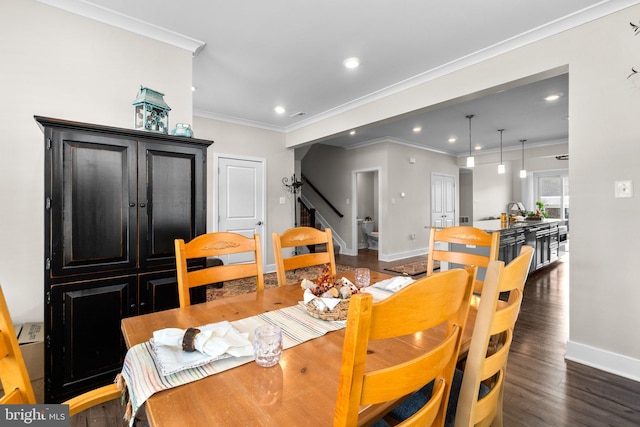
[{"x": 143, "y": 377}]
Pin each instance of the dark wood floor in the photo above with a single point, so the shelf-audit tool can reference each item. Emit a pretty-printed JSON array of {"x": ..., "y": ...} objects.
[{"x": 542, "y": 388}]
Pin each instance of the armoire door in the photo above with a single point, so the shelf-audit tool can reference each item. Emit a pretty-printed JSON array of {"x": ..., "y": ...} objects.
[
  {"x": 170, "y": 199},
  {"x": 85, "y": 342},
  {"x": 92, "y": 203}
]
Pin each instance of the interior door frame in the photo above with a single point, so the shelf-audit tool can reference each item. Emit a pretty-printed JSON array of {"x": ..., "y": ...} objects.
[
  {"x": 354, "y": 210},
  {"x": 216, "y": 186},
  {"x": 454, "y": 195}
]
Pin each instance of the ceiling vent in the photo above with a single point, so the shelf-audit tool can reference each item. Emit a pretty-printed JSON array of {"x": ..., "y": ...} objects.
[
  {"x": 563, "y": 157},
  {"x": 298, "y": 114}
]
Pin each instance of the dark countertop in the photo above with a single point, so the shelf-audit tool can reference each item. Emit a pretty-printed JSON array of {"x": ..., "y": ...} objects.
[{"x": 492, "y": 225}]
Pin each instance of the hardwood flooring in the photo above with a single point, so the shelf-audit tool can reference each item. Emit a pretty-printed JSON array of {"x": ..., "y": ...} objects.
[{"x": 542, "y": 388}]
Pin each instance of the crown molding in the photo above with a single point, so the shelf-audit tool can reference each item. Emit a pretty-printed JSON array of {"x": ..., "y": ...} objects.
[
  {"x": 124, "y": 22},
  {"x": 599, "y": 10},
  {"x": 236, "y": 120}
]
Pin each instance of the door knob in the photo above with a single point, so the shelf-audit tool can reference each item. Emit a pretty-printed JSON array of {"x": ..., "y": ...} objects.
[{"x": 259, "y": 223}]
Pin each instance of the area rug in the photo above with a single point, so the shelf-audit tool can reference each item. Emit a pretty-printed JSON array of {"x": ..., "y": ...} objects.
[
  {"x": 243, "y": 286},
  {"x": 413, "y": 268}
]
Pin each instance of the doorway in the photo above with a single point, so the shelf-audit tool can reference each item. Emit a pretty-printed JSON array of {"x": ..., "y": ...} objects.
[
  {"x": 443, "y": 200},
  {"x": 240, "y": 196},
  {"x": 365, "y": 209}
]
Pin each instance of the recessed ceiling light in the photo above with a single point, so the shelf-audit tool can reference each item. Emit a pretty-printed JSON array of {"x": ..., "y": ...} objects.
[
  {"x": 478, "y": 147},
  {"x": 279, "y": 109},
  {"x": 353, "y": 132},
  {"x": 452, "y": 139},
  {"x": 553, "y": 97},
  {"x": 193, "y": 88},
  {"x": 352, "y": 62},
  {"x": 417, "y": 129}
]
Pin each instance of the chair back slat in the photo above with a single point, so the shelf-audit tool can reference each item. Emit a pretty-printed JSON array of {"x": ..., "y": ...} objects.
[
  {"x": 302, "y": 237},
  {"x": 216, "y": 245},
  {"x": 462, "y": 235}
]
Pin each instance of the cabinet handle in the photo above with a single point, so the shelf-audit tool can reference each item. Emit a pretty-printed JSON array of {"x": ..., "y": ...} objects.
[
  {"x": 132, "y": 306},
  {"x": 142, "y": 205},
  {"x": 132, "y": 205}
]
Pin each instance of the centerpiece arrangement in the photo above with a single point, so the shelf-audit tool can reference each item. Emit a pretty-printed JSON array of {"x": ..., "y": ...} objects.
[{"x": 328, "y": 298}]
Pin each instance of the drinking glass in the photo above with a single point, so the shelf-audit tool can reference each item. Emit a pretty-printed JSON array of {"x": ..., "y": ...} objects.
[
  {"x": 362, "y": 277},
  {"x": 267, "y": 345}
]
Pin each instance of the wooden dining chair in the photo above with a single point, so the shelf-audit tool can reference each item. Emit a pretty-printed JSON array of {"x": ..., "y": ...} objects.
[
  {"x": 302, "y": 236},
  {"x": 463, "y": 235},
  {"x": 215, "y": 245},
  {"x": 15, "y": 378},
  {"x": 486, "y": 361},
  {"x": 441, "y": 299},
  {"x": 478, "y": 391}
]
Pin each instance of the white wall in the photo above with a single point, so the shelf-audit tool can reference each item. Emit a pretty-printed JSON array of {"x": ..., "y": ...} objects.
[
  {"x": 330, "y": 168},
  {"x": 603, "y": 147},
  {"x": 57, "y": 64},
  {"x": 237, "y": 140},
  {"x": 492, "y": 191}
]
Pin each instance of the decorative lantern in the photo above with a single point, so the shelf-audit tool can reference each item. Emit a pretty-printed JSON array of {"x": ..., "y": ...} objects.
[{"x": 151, "y": 112}]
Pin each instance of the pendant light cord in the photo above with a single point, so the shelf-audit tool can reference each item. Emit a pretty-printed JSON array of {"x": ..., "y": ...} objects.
[
  {"x": 470, "y": 116},
  {"x": 500, "y": 130}
]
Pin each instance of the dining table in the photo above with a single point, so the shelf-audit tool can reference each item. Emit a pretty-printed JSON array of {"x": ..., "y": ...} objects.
[{"x": 300, "y": 390}]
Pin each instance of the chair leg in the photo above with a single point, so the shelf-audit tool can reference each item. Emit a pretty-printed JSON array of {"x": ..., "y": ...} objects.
[{"x": 498, "y": 421}]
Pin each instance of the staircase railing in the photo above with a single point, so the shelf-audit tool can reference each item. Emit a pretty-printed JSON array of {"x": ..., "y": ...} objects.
[
  {"x": 307, "y": 214},
  {"x": 306, "y": 181},
  {"x": 321, "y": 223}
]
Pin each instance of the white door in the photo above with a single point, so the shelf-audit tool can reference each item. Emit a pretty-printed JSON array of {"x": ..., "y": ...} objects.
[
  {"x": 443, "y": 200},
  {"x": 241, "y": 200}
]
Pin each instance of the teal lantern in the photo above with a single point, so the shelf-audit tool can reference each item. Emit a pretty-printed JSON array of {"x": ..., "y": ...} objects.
[{"x": 151, "y": 112}]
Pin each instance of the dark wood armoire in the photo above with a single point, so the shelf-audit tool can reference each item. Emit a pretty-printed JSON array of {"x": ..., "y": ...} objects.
[{"x": 114, "y": 199}]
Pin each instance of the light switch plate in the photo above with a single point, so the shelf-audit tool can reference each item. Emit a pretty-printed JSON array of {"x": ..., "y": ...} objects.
[{"x": 624, "y": 189}]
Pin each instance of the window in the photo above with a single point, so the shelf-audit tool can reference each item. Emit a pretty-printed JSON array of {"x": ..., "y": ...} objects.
[{"x": 552, "y": 189}]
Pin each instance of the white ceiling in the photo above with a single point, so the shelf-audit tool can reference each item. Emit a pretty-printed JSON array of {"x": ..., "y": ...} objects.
[{"x": 258, "y": 54}]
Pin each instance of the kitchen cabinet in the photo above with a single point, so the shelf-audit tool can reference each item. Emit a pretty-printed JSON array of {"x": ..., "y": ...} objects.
[
  {"x": 547, "y": 237},
  {"x": 544, "y": 239},
  {"x": 115, "y": 200},
  {"x": 511, "y": 241}
]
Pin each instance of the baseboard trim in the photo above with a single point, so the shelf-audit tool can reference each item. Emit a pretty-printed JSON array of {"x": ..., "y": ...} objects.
[
  {"x": 604, "y": 360},
  {"x": 402, "y": 255}
]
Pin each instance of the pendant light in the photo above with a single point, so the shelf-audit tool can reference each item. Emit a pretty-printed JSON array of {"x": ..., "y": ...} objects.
[
  {"x": 523, "y": 172},
  {"x": 470, "y": 160},
  {"x": 501, "y": 168}
]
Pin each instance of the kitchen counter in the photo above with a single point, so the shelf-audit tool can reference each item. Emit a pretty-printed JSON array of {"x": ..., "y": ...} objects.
[
  {"x": 543, "y": 235},
  {"x": 491, "y": 225}
]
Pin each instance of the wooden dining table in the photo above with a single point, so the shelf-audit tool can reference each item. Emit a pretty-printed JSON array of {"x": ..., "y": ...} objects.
[{"x": 300, "y": 390}]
